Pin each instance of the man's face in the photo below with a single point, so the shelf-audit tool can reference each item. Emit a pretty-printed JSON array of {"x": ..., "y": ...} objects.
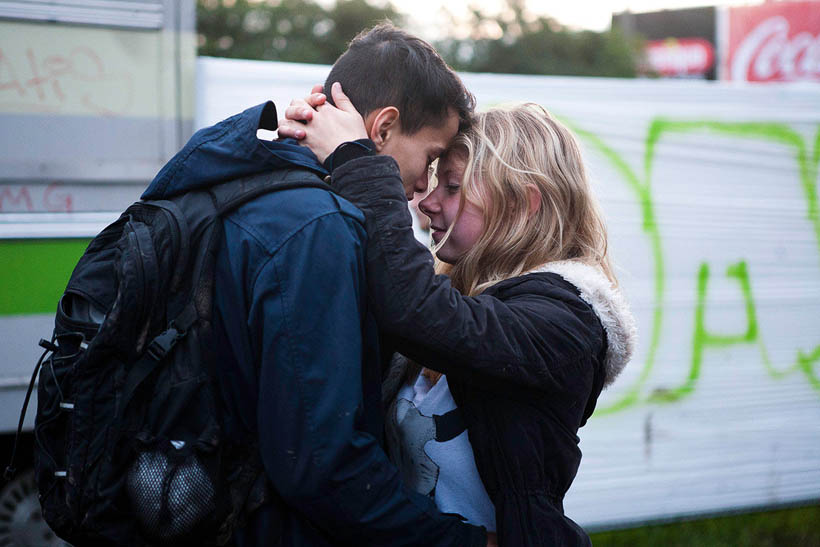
[{"x": 414, "y": 153}]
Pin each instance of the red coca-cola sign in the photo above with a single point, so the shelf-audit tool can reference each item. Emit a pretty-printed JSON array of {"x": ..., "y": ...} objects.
[
  {"x": 680, "y": 56},
  {"x": 773, "y": 42}
]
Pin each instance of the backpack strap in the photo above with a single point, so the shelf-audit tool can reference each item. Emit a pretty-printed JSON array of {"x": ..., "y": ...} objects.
[
  {"x": 230, "y": 195},
  {"x": 10, "y": 471},
  {"x": 159, "y": 347},
  {"x": 184, "y": 235},
  {"x": 449, "y": 425},
  {"x": 226, "y": 197}
]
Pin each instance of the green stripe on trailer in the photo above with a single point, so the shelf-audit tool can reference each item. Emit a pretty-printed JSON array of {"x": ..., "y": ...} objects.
[{"x": 34, "y": 273}]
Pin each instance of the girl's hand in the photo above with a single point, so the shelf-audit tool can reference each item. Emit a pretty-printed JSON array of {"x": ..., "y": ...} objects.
[
  {"x": 321, "y": 126},
  {"x": 302, "y": 110}
]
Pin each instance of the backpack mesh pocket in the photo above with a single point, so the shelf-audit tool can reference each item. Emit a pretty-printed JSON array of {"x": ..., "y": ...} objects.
[{"x": 170, "y": 495}]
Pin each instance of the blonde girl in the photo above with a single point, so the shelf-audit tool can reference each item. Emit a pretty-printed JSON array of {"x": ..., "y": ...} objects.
[{"x": 520, "y": 324}]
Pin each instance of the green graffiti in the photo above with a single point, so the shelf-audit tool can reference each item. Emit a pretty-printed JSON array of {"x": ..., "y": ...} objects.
[
  {"x": 806, "y": 364},
  {"x": 815, "y": 157},
  {"x": 702, "y": 339},
  {"x": 771, "y": 132},
  {"x": 650, "y": 226}
]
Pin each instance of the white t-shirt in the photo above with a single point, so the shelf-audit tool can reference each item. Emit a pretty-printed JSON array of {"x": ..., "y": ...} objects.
[{"x": 445, "y": 471}]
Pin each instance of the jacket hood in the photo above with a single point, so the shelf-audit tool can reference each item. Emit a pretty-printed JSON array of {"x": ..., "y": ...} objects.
[
  {"x": 230, "y": 150},
  {"x": 608, "y": 303}
]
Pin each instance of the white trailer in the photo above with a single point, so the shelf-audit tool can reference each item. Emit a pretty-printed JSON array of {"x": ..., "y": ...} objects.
[{"x": 95, "y": 96}]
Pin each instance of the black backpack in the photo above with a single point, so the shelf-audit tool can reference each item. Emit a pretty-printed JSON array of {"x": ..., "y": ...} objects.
[{"x": 129, "y": 437}]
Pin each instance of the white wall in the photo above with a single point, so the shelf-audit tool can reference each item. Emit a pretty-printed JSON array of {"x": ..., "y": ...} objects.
[{"x": 710, "y": 192}]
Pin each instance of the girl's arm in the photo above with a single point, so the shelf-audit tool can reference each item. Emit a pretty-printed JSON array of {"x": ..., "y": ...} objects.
[
  {"x": 524, "y": 339},
  {"x": 528, "y": 339}
]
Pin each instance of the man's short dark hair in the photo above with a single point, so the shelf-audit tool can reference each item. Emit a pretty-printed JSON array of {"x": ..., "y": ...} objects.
[{"x": 386, "y": 66}]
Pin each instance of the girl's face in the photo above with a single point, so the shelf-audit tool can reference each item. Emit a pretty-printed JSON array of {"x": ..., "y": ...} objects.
[{"x": 442, "y": 207}]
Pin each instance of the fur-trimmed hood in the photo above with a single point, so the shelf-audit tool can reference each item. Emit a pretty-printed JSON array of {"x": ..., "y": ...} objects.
[{"x": 609, "y": 305}]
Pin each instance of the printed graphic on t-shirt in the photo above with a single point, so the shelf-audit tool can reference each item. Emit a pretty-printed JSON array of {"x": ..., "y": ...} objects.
[
  {"x": 429, "y": 444},
  {"x": 411, "y": 431}
]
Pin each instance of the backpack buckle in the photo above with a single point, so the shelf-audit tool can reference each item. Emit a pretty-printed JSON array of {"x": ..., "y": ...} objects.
[
  {"x": 164, "y": 342},
  {"x": 50, "y": 346}
]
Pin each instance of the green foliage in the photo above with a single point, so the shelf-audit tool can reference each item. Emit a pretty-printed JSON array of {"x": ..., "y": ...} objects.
[
  {"x": 284, "y": 30},
  {"x": 512, "y": 42},
  {"x": 540, "y": 45},
  {"x": 792, "y": 527}
]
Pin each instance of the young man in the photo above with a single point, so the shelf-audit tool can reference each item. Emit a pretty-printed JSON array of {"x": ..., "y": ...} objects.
[{"x": 298, "y": 348}]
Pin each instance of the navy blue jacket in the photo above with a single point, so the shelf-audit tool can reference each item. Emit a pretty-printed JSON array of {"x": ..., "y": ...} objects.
[{"x": 299, "y": 352}]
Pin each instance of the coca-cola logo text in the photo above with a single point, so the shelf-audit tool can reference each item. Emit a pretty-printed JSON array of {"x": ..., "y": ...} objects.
[{"x": 768, "y": 53}]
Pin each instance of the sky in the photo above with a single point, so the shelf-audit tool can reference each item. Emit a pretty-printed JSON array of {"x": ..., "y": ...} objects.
[{"x": 432, "y": 19}]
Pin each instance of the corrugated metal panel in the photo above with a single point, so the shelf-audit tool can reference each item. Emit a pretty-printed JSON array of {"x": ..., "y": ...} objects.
[
  {"x": 710, "y": 192},
  {"x": 143, "y": 14}
]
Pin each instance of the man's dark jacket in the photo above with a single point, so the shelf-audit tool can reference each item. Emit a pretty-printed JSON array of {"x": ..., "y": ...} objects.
[{"x": 298, "y": 350}]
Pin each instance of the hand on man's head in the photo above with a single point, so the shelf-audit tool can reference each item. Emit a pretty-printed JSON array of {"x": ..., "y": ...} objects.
[{"x": 321, "y": 126}]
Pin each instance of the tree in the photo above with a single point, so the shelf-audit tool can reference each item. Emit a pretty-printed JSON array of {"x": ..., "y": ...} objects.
[
  {"x": 284, "y": 30},
  {"x": 526, "y": 45},
  {"x": 512, "y": 42}
]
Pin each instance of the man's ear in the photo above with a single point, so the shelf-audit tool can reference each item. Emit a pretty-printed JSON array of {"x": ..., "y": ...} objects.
[{"x": 381, "y": 125}]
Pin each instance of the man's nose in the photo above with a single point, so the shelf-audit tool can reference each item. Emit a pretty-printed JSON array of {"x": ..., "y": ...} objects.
[
  {"x": 422, "y": 182},
  {"x": 428, "y": 205}
]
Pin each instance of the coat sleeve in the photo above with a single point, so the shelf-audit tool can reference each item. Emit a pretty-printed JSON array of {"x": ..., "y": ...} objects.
[
  {"x": 306, "y": 308},
  {"x": 524, "y": 339}
]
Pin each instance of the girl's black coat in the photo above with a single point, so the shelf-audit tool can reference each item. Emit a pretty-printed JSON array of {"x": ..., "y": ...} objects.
[{"x": 524, "y": 360}]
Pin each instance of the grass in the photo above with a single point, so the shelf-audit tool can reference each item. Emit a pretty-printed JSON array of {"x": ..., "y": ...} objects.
[{"x": 795, "y": 527}]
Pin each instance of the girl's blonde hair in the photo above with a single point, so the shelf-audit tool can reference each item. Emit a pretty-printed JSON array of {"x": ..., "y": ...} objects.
[{"x": 512, "y": 152}]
